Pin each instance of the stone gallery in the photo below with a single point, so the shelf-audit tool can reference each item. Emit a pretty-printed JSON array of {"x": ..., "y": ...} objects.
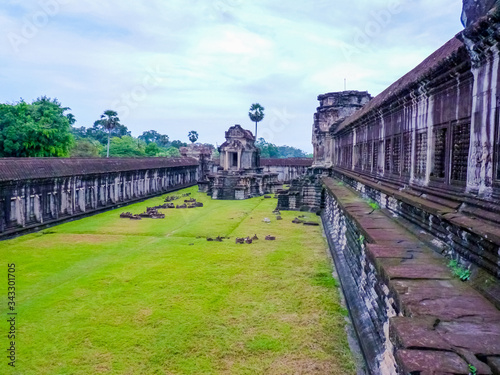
[
  {"x": 41, "y": 191},
  {"x": 239, "y": 175},
  {"x": 422, "y": 164}
]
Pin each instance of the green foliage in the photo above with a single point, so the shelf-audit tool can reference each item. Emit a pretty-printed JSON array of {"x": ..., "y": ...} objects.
[
  {"x": 270, "y": 150},
  {"x": 178, "y": 144},
  {"x": 324, "y": 279},
  {"x": 80, "y": 132},
  {"x": 290, "y": 152},
  {"x": 256, "y": 114},
  {"x": 39, "y": 129},
  {"x": 267, "y": 150},
  {"x": 152, "y": 149},
  {"x": 171, "y": 152},
  {"x": 109, "y": 120},
  {"x": 151, "y": 136},
  {"x": 459, "y": 271},
  {"x": 99, "y": 133},
  {"x": 126, "y": 147},
  {"x": 373, "y": 204},
  {"x": 193, "y": 136},
  {"x": 85, "y": 147}
]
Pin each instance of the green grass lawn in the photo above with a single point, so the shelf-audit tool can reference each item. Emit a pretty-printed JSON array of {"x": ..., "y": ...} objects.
[{"x": 105, "y": 295}]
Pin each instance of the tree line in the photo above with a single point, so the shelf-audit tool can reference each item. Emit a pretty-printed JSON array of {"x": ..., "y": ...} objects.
[{"x": 44, "y": 128}]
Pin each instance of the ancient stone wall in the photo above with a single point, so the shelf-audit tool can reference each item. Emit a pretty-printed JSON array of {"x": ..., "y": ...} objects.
[
  {"x": 367, "y": 296},
  {"x": 434, "y": 135},
  {"x": 411, "y": 314},
  {"x": 418, "y": 131},
  {"x": 41, "y": 191},
  {"x": 425, "y": 153},
  {"x": 287, "y": 169},
  {"x": 473, "y": 242},
  {"x": 334, "y": 108},
  {"x": 304, "y": 194},
  {"x": 437, "y": 126}
]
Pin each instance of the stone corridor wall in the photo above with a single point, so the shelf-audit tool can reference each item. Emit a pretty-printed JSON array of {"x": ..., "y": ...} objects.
[
  {"x": 473, "y": 242},
  {"x": 436, "y": 127},
  {"x": 287, "y": 169},
  {"x": 411, "y": 313},
  {"x": 428, "y": 147},
  {"x": 367, "y": 296},
  {"x": 40, "y": 191}
]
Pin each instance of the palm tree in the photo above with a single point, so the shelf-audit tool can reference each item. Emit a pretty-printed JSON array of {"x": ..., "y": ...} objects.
[
  {"x": 256, "y": 114},
  {"x": 193, "y": 136},
  {"x": 109, "y": 120}
]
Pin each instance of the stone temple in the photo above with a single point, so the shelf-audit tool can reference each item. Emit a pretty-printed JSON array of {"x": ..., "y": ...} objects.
[
  {"x": 239, "y": 175},
  {"x": 407, "y": 185}
]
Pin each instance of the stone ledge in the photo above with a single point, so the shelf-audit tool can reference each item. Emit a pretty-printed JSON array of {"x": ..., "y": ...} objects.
[
  {"x": 427, "y": 362},
  {"x": 445, "y": 209},
  {"x": 444, "y": 324}
]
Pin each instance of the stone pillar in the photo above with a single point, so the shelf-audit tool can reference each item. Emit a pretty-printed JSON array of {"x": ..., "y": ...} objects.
[
  {"x": 482, "y": 42},
  {"x": 37, "y": 208},
  {"x": 328, "y": 150}
]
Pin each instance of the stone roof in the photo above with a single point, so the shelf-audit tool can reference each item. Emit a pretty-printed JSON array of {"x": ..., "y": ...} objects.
[
  {"x": 450, "y": 49},
  {"x": 286, "y": 162},
  {"x": 15, "y": 169},
  {"x": 247, "y": 134}
]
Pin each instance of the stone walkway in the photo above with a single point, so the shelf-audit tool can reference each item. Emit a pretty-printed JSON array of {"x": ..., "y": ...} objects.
[{"x": 444, "y": 324}]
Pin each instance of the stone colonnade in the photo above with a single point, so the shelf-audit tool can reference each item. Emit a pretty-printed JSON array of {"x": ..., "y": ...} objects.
[{"x": 34, "y": 198}]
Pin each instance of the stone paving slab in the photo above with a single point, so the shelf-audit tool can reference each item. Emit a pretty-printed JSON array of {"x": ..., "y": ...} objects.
[
  {"x": 444, "y": 324},
  {"x": 418, "y": 333},
  {"x": 494, "y": 363},
  {"x": 415, "y": 270},
  {"x": 429, "y": 362}
]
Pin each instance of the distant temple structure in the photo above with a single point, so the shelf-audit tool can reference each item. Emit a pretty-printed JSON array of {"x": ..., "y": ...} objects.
[
  {"x": 334, "y": 108},
  {"x": 239, "y": 151},
  {"x": 239, "y": 175}
]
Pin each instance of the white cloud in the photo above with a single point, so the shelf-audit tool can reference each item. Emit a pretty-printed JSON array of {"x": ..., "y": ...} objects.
[{"x": 211, "y": 60}]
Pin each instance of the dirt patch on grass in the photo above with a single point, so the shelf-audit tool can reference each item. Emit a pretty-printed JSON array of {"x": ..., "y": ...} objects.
[
  {"x": 79, "y": 292},
  {"x": 86, "y": 238},
  {"x": 143, "y": 315},
  {"x": 104, "y": 362},
  {"x": 288, "y": 365}
]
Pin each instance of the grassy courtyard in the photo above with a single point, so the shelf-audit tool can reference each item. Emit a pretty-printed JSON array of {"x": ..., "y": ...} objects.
[{"x": 105, "y": 295}]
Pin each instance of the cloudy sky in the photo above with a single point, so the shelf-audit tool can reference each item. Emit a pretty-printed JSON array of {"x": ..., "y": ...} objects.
[{"x": 178, "y": 65}]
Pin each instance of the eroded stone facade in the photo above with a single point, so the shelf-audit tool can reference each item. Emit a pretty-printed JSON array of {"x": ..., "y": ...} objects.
[
  {"x": 41, "y": 191},
  {"x": 334, "y": 108},
  {"x": 239, "y": 175}
]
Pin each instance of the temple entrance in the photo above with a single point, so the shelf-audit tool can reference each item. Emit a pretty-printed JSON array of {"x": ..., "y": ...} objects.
[{"x": 233, "y": 157}]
